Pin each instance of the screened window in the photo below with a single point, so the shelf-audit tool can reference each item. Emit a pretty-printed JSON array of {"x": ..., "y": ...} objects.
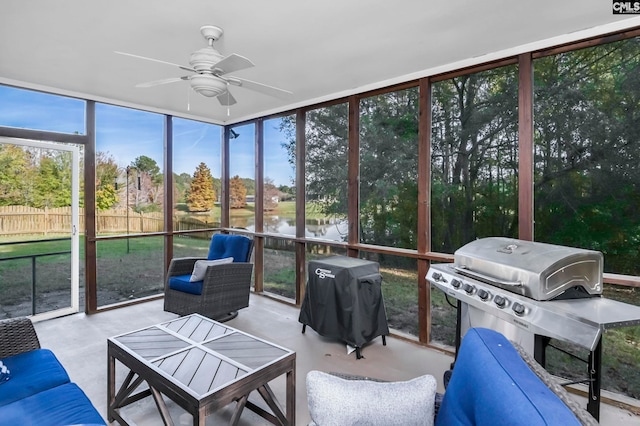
[
  {"x": 28, "y": 109},
  {"x": 242, "y": 180},
  {"x": 587, "y": 151},
  {"x": 389, "y": 169},
  {"x": 280, "y": 175},
  {"x": 129, "y": 200},
  {"x": 327, "y": 146},
  {"x": 474, "y": 158},
  {"x": 196, "y": 184}
]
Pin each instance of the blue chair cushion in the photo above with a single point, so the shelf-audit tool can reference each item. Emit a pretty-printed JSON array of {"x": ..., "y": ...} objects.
[
  {"x": 236, "y": 246},
  {"x": 62, "y": 405},
  {"x": 31, "y": 372},
  {"x": 183, "y": 283},
  {"x": 492, "y": 385}
]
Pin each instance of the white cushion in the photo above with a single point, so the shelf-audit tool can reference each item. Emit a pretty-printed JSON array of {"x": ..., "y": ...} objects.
[
  {"x": 5, "y": 374},
  {"x": 201, "y": 266},
  {"x": 336, "y": 401}
]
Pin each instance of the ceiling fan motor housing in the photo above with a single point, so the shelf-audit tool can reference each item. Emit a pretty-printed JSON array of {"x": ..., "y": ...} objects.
[{"x": 204, "y": 59}]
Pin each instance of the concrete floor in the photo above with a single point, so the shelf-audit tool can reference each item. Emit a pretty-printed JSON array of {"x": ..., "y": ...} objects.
[{"x": 79, "y": 341}]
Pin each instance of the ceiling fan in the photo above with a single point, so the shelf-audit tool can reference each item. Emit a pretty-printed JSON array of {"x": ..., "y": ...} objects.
[{"x": 210, "y": 70}]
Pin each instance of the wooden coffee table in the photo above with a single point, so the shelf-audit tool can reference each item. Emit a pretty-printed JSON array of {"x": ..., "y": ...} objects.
[{"x": 202, "y": 365}]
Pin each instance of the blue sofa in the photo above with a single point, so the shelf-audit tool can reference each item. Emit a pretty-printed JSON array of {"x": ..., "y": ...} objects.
[
  {"x": 492, "y": 383},
  {"x": 38, "y": 390}
]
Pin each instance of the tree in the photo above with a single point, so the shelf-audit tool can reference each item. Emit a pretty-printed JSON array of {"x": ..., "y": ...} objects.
[
  {"x": 145, "y": 186},
  {"x": 326, "y": 163},
  {"x": 181, "y": 185},
  {"x": 106, "y": 177},
  {"x": 388, "y": 164},
  {"x": 106, "y": 197},
  {"x": 149, "y": 166},
  {"x": 15, "y": 168},
  {"x": 250, "y": 185},
  {"x": 237, "y": 193},
  {"x": 201, "y": 195},
  {"x": 271, "y": 195},
  {"x": 587, "y": 151},
  {"x": 53, "y": 180},
  {"x": 388, "y": 159},
  {"x": 474, "y": 160},
  {"x": 288, "y": 192}
]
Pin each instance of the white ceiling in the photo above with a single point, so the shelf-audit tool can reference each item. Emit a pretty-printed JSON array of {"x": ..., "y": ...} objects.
[{"x": 319, "y": 50}]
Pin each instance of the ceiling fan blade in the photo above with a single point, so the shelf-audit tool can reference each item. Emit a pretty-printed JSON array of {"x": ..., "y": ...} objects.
[
  {"x": 232, "y": 63},
  {"x": 155, "y": 60},
  {"x": 163, "y": 81},
  {"x": 226, "y": 98},
  {"x": 259, "y": 87}
]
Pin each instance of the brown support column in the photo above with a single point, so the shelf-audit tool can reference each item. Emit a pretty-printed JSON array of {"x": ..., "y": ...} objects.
[
  {"x": 258, "y": 252},
  {"x": 301, "y": 253},
  {"x": 224, "y": 184},
  {"x": 424, "y": 210},
  {"x": 168, "y": 192},
  {"x": 353, "y": 175},
  {"x": 525, "y": 147},
  {"x": 90, "y": 278}
]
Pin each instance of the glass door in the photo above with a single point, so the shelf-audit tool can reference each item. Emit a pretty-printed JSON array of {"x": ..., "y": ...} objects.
[{"x": 39, "y": 223}]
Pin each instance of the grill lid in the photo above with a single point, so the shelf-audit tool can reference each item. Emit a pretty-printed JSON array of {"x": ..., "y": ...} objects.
[{"x": 537, "y": 270}]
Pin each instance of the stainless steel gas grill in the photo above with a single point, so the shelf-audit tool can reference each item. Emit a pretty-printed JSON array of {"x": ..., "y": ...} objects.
[{"x": 533, "y": 292}]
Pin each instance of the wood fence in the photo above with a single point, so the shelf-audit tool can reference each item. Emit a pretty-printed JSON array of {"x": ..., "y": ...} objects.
[{"x": 18, "y": 220}]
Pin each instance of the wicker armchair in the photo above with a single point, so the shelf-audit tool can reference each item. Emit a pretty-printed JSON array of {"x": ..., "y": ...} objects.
[
  {"x": 17, "y": 335},
  {"x": 225, "y": 288}
]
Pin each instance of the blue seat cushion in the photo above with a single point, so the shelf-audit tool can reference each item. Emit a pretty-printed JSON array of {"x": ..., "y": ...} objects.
[
  {"x": 236, "y": 246},
  {"x": 31, "y": 372},
  {"x": 492, "y": 385},
  {"x": 182, "y": 283},
  {"x": 62, "y": 405}
]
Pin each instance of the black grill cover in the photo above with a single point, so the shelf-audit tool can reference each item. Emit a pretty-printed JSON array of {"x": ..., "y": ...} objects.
[{"x": 343, "y": 300}]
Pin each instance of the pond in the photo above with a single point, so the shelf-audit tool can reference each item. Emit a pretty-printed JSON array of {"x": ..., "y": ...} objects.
[{"x": 324, "y": 228}]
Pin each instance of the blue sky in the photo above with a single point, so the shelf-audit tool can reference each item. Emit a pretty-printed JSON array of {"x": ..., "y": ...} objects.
[{"x": 126, "y": 133}]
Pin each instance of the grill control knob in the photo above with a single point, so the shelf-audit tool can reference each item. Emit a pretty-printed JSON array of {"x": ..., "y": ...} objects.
[
  {"x": 437, "y": 276},
  {"x": 518, "y": 308},
  {"x": 456, "y": 283},
  {"x": 483, "y": 294},
  {"x": 469, "y": 288},
  {"x": 500, "y": 301}
]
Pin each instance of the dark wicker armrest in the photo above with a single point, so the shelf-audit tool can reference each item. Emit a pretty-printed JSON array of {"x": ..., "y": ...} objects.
[
  {"x": 230, "y": 277},
  {"x": 17, "y": 335},
  {"x": 182, "y": 265}
]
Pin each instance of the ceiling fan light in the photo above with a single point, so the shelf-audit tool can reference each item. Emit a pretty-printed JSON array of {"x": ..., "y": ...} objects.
[{"x": 208, "y": 85}]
